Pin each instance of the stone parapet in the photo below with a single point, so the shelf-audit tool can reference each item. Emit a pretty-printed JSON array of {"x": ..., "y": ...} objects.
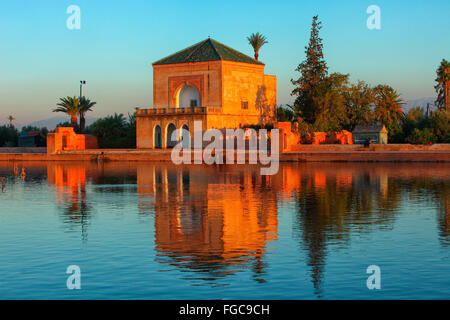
[{"x": 177, "y": 111}]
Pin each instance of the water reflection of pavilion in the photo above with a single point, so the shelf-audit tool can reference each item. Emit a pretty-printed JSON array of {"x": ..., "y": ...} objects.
[
  {"x": 214, "y": 221},
  {"x": 209, "y": 221}
]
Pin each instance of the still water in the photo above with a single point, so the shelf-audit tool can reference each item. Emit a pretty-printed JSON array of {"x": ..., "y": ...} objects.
[{"x": 159, "y": 231}]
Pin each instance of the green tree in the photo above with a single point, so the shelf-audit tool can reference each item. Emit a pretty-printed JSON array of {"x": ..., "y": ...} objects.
[
  {"x": 388, "y": 111},
  {"x": 332, "y": 115},
  {"x": 313, "y": 72},
  {"x": 42, "y": 132},
  {"x": 285, "y": 114},
  {"x": 130, "y": 136},
  {"x": 415, "y": 118},
  {"x": 85, "y": 106},
  {"x": 115, "y": 131},
  {"x": 425, "y": 136},
  {"x": 358, "y": 101},
  {"x": 132, "y": 119},
  {"x": 70, "y": 106},
  {"x": 257, "y": 40},
  {"x": 440, "y": 123},
  {"x": 442, "y": 76},
  {"x": 26, "y": 129},
  {"x": 8, "y": 136}
]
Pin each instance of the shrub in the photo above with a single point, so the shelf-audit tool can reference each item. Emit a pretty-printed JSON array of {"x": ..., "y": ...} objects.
[
  {"x": 8, "y": 136},
  {"x": 425, "y": 136},
  {"x": 115, "y": 131},
  {"x": 447, "y": 138},
  {"x": 440, "y": 122},
  {"x": 285, "y": 114}
]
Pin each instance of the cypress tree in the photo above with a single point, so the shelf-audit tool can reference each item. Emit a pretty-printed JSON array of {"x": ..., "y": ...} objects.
[{"x": 314, "y": 72}]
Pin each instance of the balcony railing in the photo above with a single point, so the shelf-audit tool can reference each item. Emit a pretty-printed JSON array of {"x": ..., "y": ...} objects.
[{"x": 175, "y": 111}]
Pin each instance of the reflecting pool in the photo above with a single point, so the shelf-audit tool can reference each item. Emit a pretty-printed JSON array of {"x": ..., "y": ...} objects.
[{"x": 160, "y": 231}]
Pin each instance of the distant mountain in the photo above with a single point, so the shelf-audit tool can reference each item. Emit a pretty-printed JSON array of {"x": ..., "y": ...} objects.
[
  {"x": 51, "y": 123},
  {"x": 422, "y": 102}
]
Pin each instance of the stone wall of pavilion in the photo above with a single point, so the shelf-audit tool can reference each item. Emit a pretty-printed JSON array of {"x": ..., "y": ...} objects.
[
  {"x": 222, "y": 86},
  {"x": 204, "y": 76},
  {"x": 247, "y": 82}
]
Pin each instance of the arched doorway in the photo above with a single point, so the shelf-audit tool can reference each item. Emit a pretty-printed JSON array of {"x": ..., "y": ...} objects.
[
  {"x": 169, "y": 131},
  {"x": 188, "y": 96},
  {"x": 157, "y": 137},
  {"x": 185, "y": 136}
]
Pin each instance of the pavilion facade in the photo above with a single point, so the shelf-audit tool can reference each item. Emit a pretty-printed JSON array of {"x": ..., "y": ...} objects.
[{"x": 210, "y": 82}]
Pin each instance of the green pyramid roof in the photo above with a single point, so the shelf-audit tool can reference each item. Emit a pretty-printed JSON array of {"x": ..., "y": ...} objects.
[{"x": 207, "y": 50}]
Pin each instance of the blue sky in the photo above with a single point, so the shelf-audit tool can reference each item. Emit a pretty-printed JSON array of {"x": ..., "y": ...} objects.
[{"x": 42, "y": 60}]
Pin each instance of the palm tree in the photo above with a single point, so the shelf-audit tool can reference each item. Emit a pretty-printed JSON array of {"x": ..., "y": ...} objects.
[
  {"x": 110, "y": 130},
  {"x": 85, "y": 106},
  {"x": 257, "y": 40},
  {"x": 388, "y": 105},
  {"x": 443, "y": 76},
  {"x": 11, "y": 119},
  {"x": 71, "y": 106}
]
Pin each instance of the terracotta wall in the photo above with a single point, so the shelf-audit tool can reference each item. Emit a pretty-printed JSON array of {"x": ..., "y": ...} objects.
[
  {"x": 247, "y": 82},
  {"x": 222, "y": 85},
  {"x": 145, "y": 127},
  {"x": 169, "y": 79},
  {"x": 290, "y": 140},
  {"x": 231, "y": 121},
  {"x": 343, "y": 137},
  {"x": 65, "y": 138}
]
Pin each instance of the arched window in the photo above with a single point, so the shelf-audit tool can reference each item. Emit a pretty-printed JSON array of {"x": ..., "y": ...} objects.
[
  {"x": 188, "y": 96},
  {"x": 169, "y": 142},
  {"x": 157, "y": 139},
  {"x": 185, "y": 136}
]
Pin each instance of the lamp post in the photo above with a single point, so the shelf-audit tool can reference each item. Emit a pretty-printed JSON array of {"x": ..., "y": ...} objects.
[{"x": 81, "y": 87}]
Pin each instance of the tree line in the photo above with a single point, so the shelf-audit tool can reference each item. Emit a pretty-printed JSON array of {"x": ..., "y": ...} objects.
[
  {"x": 112, "y": 131},
  {"x": 9, "y": 134},
  {"x": 329, "y": 102}
]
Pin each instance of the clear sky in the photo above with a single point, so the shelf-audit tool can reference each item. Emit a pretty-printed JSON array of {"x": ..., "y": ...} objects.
[{"x": 42, "y": 60}]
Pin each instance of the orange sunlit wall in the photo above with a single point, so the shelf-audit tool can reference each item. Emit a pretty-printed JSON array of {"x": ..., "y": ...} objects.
[{"x": 64, "y": 177}]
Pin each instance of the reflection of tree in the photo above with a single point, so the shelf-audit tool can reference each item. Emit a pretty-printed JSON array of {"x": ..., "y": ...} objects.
[
  {"x": 434, "y": 192},
  {"x": 314, "y": 235},
  {"x": 334, "y": 203},
  {"x": 444, "y": 220},
  {"x": 77, "y": 211},
  {"x": 70, "y": 182},
  {"x": 327, "y": 212},
  {"x": 216, "y": 221}
]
